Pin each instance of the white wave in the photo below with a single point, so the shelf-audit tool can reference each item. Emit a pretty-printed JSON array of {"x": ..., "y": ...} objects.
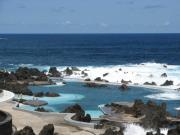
[
  {"x": 137, "y": 73},
  {"x": 60, "y": 83},
  {"x": 165, "y": 96},
  {"x": 134, "y": 129}
]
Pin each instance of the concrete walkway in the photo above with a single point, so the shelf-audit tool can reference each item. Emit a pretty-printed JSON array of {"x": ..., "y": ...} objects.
[{"x": 22, "y": 119}]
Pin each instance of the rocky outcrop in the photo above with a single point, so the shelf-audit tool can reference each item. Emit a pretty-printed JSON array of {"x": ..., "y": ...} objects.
[
  {"x": 53, "y": 72},
  {"x": 25, "y": 131},
  {"x": 105, "y": 74},
  {"x": 80, "y": 113},
  {"x": 47, "y": 130},
  {"x": 47, "y": 94},
  {"x": 25, "y": 73},
  {"x": 126, "y": 82},
  {"x": 94, "y": 85},
  {"x": 164, "y": 75},
  {"x": 155, "y": 115},
  {"x": 111, "y": 131},
  {"x": 124, "y": 87},
  {"x": 152, "y": 115},
  {"x": 84, "y": 74},
  {"x": 98, "y": 79},
  {"x": 167, "y": 83},
  {"x": 175, "y": 131},
  {"x": 16, "y": 88},
  {"x": 88, "y": 79},
  {"x": 157, "y": 133},
  {"x": 68, "y": 71},
  {"x": 148, "y": 83}
]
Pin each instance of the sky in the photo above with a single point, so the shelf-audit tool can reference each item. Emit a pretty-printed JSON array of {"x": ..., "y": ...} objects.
[{"x": 89, "y": 16}]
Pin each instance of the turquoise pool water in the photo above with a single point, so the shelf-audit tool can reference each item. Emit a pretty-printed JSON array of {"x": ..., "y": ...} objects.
[{"x": 90, "y": 98}]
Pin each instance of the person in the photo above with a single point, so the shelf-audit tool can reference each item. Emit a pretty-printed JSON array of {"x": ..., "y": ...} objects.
[{"x": 17, "y": 105}]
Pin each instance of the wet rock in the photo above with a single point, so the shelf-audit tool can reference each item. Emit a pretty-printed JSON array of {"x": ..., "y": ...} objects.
[
  {"x": 148, "y": 83},
  {"x": 149, "y": 133},
  {"x": 155, "y": 115},
  {"x": 105, "y": 74},
  {"x": 68, "y": 71},
  {"x": 54, "y": 72},
  {"x": 167, "y": 83},
  {"x": 84, "y": 73},
  {"x": 165, "y": 66},
  {"x": 110, "y": 131},
  {"x": 47, "y": 130},
  {"x": 124, "y": 87},
  {"x": 94, "y": 85},
  {"x": 175, "y": 131},
  {"x": 88, "y": 79},
  {"x": 126, "y": 82},
  {"x": 25, "y": 131},
  {"x": 47, "y": 94},
  {"x": 164, "y": 75},
  {"x": 98, "y": 79}
]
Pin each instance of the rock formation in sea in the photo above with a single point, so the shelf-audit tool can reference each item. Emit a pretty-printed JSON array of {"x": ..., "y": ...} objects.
[
  {"x": 94, "y": 85},
  {"x": 47, "y": 94},
  {"x": 164, "y": 75},
  {"x": 126, "y": 82},
  {"x": 53, "y": 72},
  {"x": 124, "y": 87},
  {"x": 68, "y": 71},
  {"x": 105, "y": 74},
  {"x": 167, "y": 83},
  {"x": 87, "y": 79},
  {"x": 148, "y": 83}
]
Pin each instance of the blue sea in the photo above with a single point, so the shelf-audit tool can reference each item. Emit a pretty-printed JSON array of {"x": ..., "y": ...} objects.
[
  {"x": 88, "y": 49},
  {"x": 45, "y": 50}
]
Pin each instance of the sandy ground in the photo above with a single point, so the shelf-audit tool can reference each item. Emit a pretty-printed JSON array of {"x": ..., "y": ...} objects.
[{"x": 22, "y": 119}]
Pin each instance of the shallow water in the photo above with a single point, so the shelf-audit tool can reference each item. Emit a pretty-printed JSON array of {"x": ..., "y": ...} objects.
[{"x": 90, "y": 98}]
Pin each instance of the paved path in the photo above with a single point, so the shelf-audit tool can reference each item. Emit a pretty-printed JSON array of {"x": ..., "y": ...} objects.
[{"x": 22, "y": 119}]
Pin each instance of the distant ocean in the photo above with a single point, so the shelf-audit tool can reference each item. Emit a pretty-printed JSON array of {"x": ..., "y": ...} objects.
[{"x": 88, "y": 49}]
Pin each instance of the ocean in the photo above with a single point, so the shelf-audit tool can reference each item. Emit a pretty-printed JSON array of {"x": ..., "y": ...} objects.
[{"x": 88, "y": 49}]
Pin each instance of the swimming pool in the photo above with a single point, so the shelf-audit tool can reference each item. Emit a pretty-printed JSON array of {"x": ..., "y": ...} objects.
[{"x": 90, "y": 98}]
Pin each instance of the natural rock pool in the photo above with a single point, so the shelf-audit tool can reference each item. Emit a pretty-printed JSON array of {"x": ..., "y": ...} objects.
[{"x": 90, "y": 98}]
